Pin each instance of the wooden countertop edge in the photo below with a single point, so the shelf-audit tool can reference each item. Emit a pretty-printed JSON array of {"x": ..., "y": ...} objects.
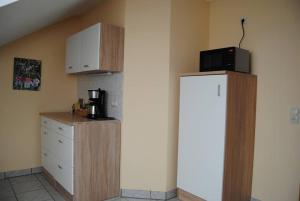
[{"x": 82, "y": 120}]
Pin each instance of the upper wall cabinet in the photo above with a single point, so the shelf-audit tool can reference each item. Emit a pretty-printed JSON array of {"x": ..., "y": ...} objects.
[{"x": 99, "y": 48}]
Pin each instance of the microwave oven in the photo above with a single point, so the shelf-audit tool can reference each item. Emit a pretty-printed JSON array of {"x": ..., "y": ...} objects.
[{"x": 229, "y": 59}]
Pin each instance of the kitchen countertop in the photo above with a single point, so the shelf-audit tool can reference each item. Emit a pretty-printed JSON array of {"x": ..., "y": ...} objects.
[{"x": 70, "y": 118}]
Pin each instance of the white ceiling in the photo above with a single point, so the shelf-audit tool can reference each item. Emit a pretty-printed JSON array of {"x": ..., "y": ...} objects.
[{"x": 26, "y": 16}]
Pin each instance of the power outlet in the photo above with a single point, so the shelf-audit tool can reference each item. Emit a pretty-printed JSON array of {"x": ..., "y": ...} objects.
[
  {"x": 243, "y": 18},
  {"x": 295, "y": 115}
]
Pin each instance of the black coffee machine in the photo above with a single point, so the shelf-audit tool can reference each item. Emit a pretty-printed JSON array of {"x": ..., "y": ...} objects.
[{"x": 97, "y": 104}]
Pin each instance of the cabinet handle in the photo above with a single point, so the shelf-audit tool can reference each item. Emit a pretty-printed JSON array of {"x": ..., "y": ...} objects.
[
  {"x": 60, "y": 128},
  {"x": 45, "y": 133},
  {"x": 59, "y": 167},
  {"x": 45, "y": 154},
  {"x": 45, "y": 122},
  {"x": 70, "y": 67},
  {"x": 85, "y": 66},
  {"x": 219, "y": 90},
  {"x": 60, "y": 141}
]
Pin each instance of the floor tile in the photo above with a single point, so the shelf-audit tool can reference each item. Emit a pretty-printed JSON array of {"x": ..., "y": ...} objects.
[
  {"x": 118, "y": 199},
  {"x": 137, "y": 199},
  {"x": 4, "y": 184},
  {"x": 39, "y": 195},
  {"x": 9, "y": 199},
  {"x": 6, "y": 193},
  {"x": 174, "y": 199},
  {"x": 22, "y": 179},
  {"x": 5, "y": 190},
  {"x": 27, "y": 186},
  {"x": 42, "y": 179},
  {"x": 1, "y": 175},
  {"x": 54, "y": 194}
]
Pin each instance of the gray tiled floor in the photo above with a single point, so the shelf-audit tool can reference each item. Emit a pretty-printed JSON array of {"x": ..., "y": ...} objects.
[
  {"x": 28, "y": 188},
  {"x": 36, "y": 188}
]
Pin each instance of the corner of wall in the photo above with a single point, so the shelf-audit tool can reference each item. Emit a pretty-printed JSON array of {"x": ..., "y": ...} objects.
[{"x": 189, "y": 35}]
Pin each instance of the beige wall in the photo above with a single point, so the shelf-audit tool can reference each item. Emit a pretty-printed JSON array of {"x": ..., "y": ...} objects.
[
  {"x": 19, "y": 130},
  {"x": 146, "y": 75},
  {"x": 189, "y": 35},
  {"x": 162, "y": 40},
  {"x": 273, "y": 37},
  {"x": 109, "y": 11}
]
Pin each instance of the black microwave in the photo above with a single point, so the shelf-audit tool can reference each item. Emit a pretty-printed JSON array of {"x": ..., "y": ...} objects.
[{"x": 229, "y": 59}]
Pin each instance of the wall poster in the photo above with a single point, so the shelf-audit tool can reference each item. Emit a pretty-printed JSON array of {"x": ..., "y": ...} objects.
[{"x": 27, "y": 74}]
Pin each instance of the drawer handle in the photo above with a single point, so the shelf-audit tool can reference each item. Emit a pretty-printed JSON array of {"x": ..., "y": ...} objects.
[
  {"x": 45, "y": 154},
  {"x": 86, "y": 66},
  {"x": 45, "y": 133},
  {"x": 70, "y": 67},
  {"x": 60, "y": 128},
  {"x": 59, "y": 167},
  {"x": 60, "y": 141},
  {"x": 45, "y": 122}
]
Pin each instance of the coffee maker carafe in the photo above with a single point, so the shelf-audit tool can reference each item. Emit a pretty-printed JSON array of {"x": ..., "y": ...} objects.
[{"x": 97, "y": 104}]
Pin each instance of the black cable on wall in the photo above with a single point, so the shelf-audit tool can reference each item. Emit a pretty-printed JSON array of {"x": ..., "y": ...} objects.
[{"x": 243, "y": 28}]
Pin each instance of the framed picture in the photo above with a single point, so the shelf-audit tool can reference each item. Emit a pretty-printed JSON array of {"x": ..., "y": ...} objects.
[{"x": 27, "y": 74}]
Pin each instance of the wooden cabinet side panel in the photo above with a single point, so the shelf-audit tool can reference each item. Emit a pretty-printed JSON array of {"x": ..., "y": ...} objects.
[
  {"x": 186, "y": 196},
  {"x": 97, "y": 161},
  {"x": 240, "y": 134},
  {"x": 112, "y": 48}
]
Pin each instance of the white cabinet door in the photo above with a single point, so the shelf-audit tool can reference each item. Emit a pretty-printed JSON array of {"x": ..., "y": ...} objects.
[
  {"x": 48, "y": 161},
  {"x": 90, "y": 48},
  {"x": 64, "y": 176},
  {"x": 73, "y": 53},
  {"x": 202, "y": 135},
  {"x": 65, "y": 150}
]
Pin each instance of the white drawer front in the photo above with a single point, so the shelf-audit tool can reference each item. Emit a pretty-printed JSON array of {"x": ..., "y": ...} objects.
[
  {"x": 46, "y": 122},
  {"x": 66, "y": 130},
  {"x": 48, "y": 161},
  {"x": 45, "y": 138},
  {"x": 58, "y": 151},
  {"x": 49, "y": 139},
  {"x": 64, "y": 149},
  {"x": 64, "y": 176}
]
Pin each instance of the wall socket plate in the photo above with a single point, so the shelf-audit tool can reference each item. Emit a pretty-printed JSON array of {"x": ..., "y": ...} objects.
[
  {"x": 243, "y": 17},
  {"x": 295, "y": 115}
]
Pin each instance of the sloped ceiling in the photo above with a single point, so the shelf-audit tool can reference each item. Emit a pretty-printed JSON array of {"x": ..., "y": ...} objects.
[{"x": 26, "y": 16}]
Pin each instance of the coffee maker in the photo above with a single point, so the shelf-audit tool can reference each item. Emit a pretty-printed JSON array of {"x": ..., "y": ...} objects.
[{"x": 97, "y": 104}]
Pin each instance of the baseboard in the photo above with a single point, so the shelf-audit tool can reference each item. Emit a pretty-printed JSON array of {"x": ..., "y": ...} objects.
[
  {"x": 186, "y": 196},
  {"x": 59, "y": 188},
  {"x": 153, "y": 195},
  {"x": 17, "y": 173}
]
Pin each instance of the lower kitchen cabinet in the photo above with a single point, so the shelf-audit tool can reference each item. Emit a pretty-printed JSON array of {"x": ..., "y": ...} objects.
[{"x": 80, "y": 157}]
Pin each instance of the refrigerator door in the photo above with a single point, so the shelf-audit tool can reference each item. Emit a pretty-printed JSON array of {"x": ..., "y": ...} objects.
[{"x": 201, "y": 148}]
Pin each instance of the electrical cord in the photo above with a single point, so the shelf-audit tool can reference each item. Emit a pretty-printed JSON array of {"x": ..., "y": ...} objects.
[{"x": 243, "y": 28}]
